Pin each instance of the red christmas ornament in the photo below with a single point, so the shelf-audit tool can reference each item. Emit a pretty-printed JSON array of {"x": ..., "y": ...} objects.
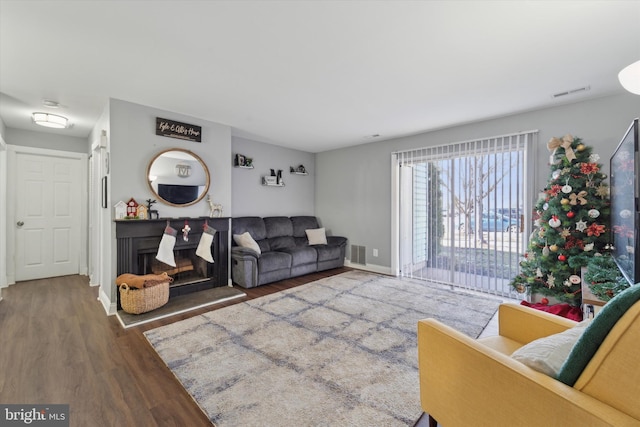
[
  {"x": 562, "y": 257},
  {"x": 571, "y": 214},
  {"x": 544, "y": 301}
]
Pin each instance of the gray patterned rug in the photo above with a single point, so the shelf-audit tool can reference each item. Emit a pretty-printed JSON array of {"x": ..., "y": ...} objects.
[{"x": 340, "y": 351}]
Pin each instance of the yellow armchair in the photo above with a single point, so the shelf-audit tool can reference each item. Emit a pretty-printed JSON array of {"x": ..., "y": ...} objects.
[{"x": 466, "y": 382}]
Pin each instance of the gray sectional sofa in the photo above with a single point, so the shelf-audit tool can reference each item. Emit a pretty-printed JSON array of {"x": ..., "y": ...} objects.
[{"x": 283, "y": 249}]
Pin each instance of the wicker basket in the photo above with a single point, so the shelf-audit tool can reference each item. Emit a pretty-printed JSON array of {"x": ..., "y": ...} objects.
[{"x": 137, "y": 301}]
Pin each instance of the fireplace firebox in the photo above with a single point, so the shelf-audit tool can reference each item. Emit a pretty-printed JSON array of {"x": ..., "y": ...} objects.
[{"x": 138, "y": 242}]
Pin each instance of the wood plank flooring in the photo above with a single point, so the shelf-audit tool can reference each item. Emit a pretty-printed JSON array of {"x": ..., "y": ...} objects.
[{"x": 58, "y": 346}]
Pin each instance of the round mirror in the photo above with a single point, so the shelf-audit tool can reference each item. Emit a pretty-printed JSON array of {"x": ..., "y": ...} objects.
[{"x": 178, "y": 177}]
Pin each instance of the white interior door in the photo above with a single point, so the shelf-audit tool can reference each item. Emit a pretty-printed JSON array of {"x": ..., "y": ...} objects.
[{"x": 48, "y": 220}]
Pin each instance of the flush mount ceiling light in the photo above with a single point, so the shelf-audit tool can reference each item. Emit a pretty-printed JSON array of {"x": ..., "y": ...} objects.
[
  {"x": 50, "y": 120},
  {"x": 630, "y": 78}
]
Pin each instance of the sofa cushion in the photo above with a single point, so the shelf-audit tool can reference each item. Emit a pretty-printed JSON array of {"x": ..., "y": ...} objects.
[
  {"x": 301, "y": 256},
  {"x": 246, "y": 241},
  {"x": 547, "y": 354},
  {"x": 303, "y": 223},
  {"x": 278, "y": 226},
  {"x": 253, "y": 224},
  {"x": 317, "y": 236},
  {"x": 280, "y": 243},
  {"x": 327, "y": 253},
  {"x": 272, "y": 261}
]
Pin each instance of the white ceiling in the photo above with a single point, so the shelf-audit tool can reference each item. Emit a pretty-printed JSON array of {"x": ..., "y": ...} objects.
[{"x": 311, "y": 75}]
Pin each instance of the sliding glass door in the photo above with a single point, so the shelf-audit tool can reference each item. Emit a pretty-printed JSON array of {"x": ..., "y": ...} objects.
[{"x": 463, "y": 212}]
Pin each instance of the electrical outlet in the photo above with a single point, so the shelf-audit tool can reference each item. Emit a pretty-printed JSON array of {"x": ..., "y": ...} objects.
[{"x": 375, "y": 252}]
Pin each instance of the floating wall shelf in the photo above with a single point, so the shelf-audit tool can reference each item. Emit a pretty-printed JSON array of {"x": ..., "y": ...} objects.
[
  {"x": 271, "y": 181},
  {"x": 300, "y": 170}
]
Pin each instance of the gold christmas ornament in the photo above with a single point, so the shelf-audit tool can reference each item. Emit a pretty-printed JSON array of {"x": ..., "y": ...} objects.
[
  {"x": 564, "y": 201},
  {"x": 553, "y": 248},
  {"x": 580, "y": 147}
]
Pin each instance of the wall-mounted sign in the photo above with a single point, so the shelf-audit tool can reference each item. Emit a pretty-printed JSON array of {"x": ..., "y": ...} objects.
[{"x": 178, "y": 130}]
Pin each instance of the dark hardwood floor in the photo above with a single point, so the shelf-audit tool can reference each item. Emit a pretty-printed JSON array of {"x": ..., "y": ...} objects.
[{"x": 58, "y": 346}]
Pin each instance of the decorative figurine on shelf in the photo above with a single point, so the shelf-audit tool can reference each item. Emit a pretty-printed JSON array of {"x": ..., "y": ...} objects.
[
  {"x": 132, "y": 208},
  {"x": 300, "y": 169},
  {"x": 279, "y": 181},
  {"x": 152, "y": 212},
  {"x": 142, "y": 212},
  {"x": 248, "y": 162},
  {"x": 215, "y": 209},
  {"x": 121, "y": 210}
]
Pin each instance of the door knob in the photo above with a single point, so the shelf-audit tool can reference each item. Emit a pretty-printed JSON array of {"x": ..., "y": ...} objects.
[{"x": 20, "y": 223}]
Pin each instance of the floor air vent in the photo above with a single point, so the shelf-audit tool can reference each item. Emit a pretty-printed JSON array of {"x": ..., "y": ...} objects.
[{"x": 358, "y": 254}]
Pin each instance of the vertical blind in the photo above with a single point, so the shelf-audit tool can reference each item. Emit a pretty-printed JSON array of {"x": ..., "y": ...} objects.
[{"x": 463, "y": 211}]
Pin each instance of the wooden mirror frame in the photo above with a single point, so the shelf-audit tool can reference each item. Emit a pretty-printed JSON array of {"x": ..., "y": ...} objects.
[{"x": 185, "y": 153}]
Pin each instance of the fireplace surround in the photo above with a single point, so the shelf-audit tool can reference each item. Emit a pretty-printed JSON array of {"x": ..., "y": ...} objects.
[{"x": 138, "y": 242}]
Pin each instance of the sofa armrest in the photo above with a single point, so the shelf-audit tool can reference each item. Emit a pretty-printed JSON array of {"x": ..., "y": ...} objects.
[
  {"x": 336, "y": 240},
  {"x": 463, "y": 383},
  {"x": 525, "y": 324},
  {"x": 244, "y": 266},
  {"x": 239, "y": 252}
]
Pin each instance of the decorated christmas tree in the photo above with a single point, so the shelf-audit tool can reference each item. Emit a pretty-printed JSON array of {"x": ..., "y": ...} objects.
[{"x": 571, "y": 225}]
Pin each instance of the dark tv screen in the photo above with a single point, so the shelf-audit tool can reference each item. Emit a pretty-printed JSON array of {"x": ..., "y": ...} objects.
[
  {"x": 178, "y": 194},
  {"x": 624, "y": 205}
]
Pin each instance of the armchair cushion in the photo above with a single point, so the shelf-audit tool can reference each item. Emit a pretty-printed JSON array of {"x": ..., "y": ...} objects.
[
  {"x": 547, "y": 354},
  {"x": 594, "y": 335}
]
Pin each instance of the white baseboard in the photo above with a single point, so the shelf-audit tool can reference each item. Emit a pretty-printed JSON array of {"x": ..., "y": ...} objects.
[
  {"x": 109, "y": 307},
  {"x": 369, "y": 267}
]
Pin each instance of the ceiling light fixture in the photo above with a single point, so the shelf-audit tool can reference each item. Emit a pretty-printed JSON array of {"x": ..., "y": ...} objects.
[
  {"x": 630, "y": 78},
  {"x": 50, "y": 120}
]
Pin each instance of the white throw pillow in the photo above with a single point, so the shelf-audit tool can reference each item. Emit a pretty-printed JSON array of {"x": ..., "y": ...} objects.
[
  {"x": 246, "y": 241},
  {"x": 316, "y": 236},
  {"x": 547, "y": 354}
]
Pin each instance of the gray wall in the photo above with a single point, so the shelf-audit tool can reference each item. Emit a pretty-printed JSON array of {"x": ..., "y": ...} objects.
[
  {"x": 50, "y": 141},
  {"x": 251, "y": 198},
  {"x": 133, "y": 143},
  {"x": 353, "y": 186}
]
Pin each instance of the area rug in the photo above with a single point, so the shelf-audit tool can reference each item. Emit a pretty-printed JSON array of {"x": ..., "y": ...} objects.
[{"x": 341, "y": 351}]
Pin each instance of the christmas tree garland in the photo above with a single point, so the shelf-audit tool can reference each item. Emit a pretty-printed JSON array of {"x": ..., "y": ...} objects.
[
  {"x": 604, "y": 277},
  {"x": 570, "y": 227}
]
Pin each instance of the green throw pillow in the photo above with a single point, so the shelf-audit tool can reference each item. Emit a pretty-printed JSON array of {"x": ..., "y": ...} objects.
[{"x": 595, "y": 333}]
